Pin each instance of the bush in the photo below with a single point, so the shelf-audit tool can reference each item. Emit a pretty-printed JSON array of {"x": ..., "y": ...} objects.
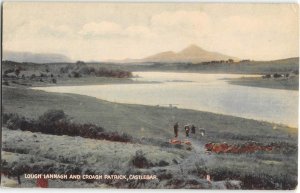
[
  {"x": 76, "y": 74},
  {"x": 164, "y": 176},
  {"x": 126, "y": 137},
  {"x": 9, "y": 71},
  {"x": 162, "y": 163},
  {"x": 14, "y": 122},
  {"x": 56, "y": 122},
  {"x": 32, "y": 76},
  {"x": 5, "y": 83},
  {"x": 52, "y": 116},
  {"x": 140, "y": 161}
]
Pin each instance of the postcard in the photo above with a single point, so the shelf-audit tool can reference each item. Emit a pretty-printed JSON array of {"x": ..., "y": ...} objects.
[{"x": 150, "y": 95}]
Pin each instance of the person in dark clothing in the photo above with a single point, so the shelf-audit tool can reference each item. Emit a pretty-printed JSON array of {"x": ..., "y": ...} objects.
[
  {"x": 187, "y": 130},
  {"x": 193, "y": 129},
  {"x": 176, "y": 129}
]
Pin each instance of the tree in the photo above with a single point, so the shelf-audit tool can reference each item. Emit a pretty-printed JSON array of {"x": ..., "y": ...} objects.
[{"x": 230, "y": 60}]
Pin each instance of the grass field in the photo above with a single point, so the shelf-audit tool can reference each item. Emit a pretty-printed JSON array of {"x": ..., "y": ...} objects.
[
  {"x": 153, "y": 126},
  {"x": 282, "y": 83}
]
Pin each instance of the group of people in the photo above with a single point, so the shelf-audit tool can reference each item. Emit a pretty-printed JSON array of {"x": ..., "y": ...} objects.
[{"x": 187, "y": 128}]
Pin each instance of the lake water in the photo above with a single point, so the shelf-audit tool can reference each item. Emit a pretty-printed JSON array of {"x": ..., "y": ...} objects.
[{"x": 205, "y": 92}]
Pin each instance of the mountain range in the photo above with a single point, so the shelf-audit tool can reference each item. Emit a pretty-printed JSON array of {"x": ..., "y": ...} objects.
[
  {"x": 35, "y": 57},
  {"x": 192, "y": 54}
]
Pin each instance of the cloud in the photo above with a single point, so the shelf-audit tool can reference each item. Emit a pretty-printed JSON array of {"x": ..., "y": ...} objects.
[
  {"x": 188, "y": 23},
  {"x": 104, "y": 32},
  {"x": 38, "y": 29},
  {"x": 102, "y": 28},
  {"x": 184, "y": 22},
  {"x": 108, "y": 28},
  {"x": 139, "y": 31}
]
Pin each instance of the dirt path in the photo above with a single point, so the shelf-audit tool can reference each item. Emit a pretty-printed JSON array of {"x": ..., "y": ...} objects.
[
  {"x": 197, "y": 157},
  {"x": 198, "y": 154}
]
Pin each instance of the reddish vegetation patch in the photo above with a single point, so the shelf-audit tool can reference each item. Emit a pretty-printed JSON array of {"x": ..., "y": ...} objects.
[
  {"x": 42, "y": 183},
  {"x": 244, "y": 148},
  {"x": 177, "y": 141}
]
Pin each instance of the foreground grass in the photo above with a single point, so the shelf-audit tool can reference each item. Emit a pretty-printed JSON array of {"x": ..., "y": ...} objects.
[{"x": 276, "y": 170}]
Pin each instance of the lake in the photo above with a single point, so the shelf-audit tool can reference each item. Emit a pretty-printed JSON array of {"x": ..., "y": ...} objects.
[{"x": 205, "y": 92}]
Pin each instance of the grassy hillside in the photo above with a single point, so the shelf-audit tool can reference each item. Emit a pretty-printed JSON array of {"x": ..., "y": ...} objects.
[
  {"x": 291, "y": 83},
  {"x": 175, "y": 166},
  {"x": 247, "y": 67},
  {"x": 139, "y": 120}
]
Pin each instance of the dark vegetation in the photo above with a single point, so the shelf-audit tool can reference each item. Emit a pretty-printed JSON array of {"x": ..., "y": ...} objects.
[
  {"x": 56, "y": 122},
  {"x": 27, "y": 74},
  {"x": 287, "y": 80},
  {"x": 139, "y": 160},
  {"x": 250, "y": 180},
  {"x": 282, "y": 66},
  {"x": 82, "y": 69}
]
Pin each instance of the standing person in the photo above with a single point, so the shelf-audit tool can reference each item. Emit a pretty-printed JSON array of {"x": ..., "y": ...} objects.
[
  {"x": 176, "y": 129},
  {"x": 193, "y": 129},
  {"x": 187, "y": 130}
]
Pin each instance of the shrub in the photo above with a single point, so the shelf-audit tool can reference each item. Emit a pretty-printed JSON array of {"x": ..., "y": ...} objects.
[
  {"x": 76, "y": 74},
  {"x": 32, "y": 76},
  {"x": 56, "y": 122},
  {"x": 9, "y": 71},
  {"x": 52, "y": 117},
  {"x": 126, "y": 137},
  {"x": 5, "y": 83},
  {"x": 140, "y": 161},
  {"x": 164, "y": 176},
  {"x": 13, "y": 121},
  {"x": 162, "y": 163}
]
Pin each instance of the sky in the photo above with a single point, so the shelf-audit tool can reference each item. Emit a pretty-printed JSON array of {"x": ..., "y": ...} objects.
[{"x": 102, "y": 31}]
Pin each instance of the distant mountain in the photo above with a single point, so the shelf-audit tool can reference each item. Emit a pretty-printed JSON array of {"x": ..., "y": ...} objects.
[
  {"x": 193, "y": 54},
  {"x": 34, "y": 57}
]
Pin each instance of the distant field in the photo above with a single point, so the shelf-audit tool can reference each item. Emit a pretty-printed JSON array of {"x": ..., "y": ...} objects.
[
  {"x": 281, "y": 83},
  {"x": 248, "y": 67}
]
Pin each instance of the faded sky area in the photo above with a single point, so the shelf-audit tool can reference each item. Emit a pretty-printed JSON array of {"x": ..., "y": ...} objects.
[{"x": 101, "y": 31}]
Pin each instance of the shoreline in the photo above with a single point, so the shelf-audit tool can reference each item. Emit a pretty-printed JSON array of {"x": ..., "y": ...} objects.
[
  {"x": 115, "y": 81},
  {"x": 166, "y": 106},
  {"x": 282, "y": 84},
  {"x": 82, "y": 81},
  {"x": 139, "y": 107}
]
